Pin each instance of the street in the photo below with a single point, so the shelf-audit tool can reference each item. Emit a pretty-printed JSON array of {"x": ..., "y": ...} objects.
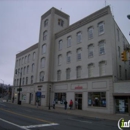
[{"x": 16, "y": 117}]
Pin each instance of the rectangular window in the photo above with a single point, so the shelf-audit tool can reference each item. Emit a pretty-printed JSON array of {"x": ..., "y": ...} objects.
[
  {"x": 90, "y": 70},
  {"x": 42, "y": 62},
  {"x": 101, "y": 28},
  {"x": 102, "y": 68},
  {"x": 26, "y": 80},
  {"x": 90, "y": 51},
  {"x": 78, "y": 72},
  {"x": 79, "y": 54},
  {"x": 97, "y": 99},
  {"x": 33, "y": 67},
  {"x": 68, "y": 74},
  {"x": 101, "y": 48},
  {"x": 28, "y": 58},
  {"x": 31, "y": 79},
  {"x": 34, "y": 54},
  {"x": 27, "y": 69},
  {"x": 120, "y": 71},
  {"x": 60, "y": 98},
  {"x": 59, "y": 75},
  {"x": 119, "y": 52},
  {"x": 118, "y": 35},
  {"x": 59, "y": 59},
  {"x": 68, "y": 57},
  {"x": 60, "y": 22}
]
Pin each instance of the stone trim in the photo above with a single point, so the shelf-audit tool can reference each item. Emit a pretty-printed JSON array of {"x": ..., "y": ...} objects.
[
  {"x": 35, "y": 46},
  {"x": 84, "y": 21},
  {"x": 46, "y": 14},
  {"x": 121, "y": 94},
  {"x": 62, "y": 14}
]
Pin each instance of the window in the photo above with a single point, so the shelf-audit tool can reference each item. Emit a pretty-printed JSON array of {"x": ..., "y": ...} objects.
[
  {"x": 120, "y": 71},
  {"x": 45, "y": 22},
  {"x": 90, "y": 33},
  {"x": 102, "y": 68},
  {"x": 43, "y": 62},
  {"x": 60, "y": 44},
  {"x": 23, "y": 81},
  {"x": 43, "y": 48},
  {"x": 78, "y": 69},
  {"x": 21, "y": 70},
  {"x": 125, "y": 74},
  {"x": 28, "y": 58},
  {"x": 90, "y": 51},
  {"x": 34, "y": 54},
  {"x": 27, "y": 69},
  {"x": 101, "y": 48},
  {"x": 97, "y": 99},
  {"x": 68, "y": 57},
  {"x": 118, "y": 35},
  {"x": 22, "y": 60},
  {"x": 19, "y": 61},
  {"x": 44, "y": 35},
  {"x": 24, "y": 70},
  {"x": 31, "y": 79},
  {"x": 60, "y": 98},
  {"x": 33, "y": 67},
  {"x": 59, "y": 75},
  {"x": 18, "y": 72},
  {"x": 68, "y": 73},
  {"x": 60, "y": 22},
  {"x": 101, "y": 28},
  {"x": 26, "y": 80},
  {"x": 59, "y": 59},
  {"x": 41, "y": 77},
  {"x": 25, "y": 59},
  {"x": 69, "y": 41},
  {"x": 119, "y": 52},
  {"x": 90, "y": 70},
  {"x": 79, "y": 54},
  {"x": 79, "y": 37},
  {"x": 17, "y": 82}
]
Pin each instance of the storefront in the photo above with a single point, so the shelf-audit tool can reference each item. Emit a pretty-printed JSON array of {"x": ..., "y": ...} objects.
[{"x": 122, "y": 103}]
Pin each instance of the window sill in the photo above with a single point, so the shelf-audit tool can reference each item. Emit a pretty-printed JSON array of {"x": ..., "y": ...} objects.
[
  {"x": 79, "y": 42},
  {"x": 100, "y": 34},
  {"x": 90, "y": 57},
  {"x": 101, "y": 54}
]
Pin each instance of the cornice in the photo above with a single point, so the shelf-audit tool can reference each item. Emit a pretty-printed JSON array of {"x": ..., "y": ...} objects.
[
  {"x": 35, "y": 46},
  {"x": 84, "y": 21}
]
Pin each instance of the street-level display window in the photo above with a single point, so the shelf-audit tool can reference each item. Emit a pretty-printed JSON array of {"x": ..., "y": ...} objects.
[
  {"x": 97, "y": 99},
  {"x": 60, "y": 98},
  {"x": 23, "y": 97}
]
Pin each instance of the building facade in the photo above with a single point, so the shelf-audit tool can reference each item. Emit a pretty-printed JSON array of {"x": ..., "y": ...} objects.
[{"x": 81, "y": 62}]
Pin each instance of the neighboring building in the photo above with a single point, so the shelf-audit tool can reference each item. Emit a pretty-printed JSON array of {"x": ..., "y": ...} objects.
[{"x": 81, "y": 62}]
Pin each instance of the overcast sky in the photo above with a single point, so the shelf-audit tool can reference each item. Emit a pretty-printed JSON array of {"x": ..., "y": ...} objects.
[{"x": 20, "y": 23}]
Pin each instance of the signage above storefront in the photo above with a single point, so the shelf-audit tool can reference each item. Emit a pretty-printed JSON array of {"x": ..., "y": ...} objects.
[{"x": 78, "y": 87}]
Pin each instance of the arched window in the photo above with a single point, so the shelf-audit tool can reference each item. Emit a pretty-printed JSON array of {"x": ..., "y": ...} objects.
[
  {"x": 68, "y": 73},
  {"x": 90, "y": 50},
  {"x": 41, "y": 76},
  {"x": 45, "y": 22},
  {"x": 90, "y": 70},
  {"x": 43, "y": 48},
  {"x": 44, "y": 35},
  {"x": 59, "y": 59},
  {"x": 43, "y": 62},
  {"x": 59, "y": 75},
  {"x": 79, "y": 54}
]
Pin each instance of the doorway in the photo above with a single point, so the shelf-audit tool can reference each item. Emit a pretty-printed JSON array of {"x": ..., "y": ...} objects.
[{"x": 78, "y": 97}]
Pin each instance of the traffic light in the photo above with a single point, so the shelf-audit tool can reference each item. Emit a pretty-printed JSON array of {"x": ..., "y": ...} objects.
[{"x": 124, "y": 56}]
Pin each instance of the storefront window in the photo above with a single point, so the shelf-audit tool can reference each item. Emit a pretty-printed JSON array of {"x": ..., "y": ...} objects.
[
  {"x": 23, "y": 97},
  {"x": 60, "y": 98},
  {"x": 97, "y": 99}
]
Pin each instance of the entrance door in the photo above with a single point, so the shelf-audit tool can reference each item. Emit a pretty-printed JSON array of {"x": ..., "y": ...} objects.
[{"x": 78, "y": 97}]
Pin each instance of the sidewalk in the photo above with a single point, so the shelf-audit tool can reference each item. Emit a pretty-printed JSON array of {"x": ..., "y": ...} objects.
[{"x": 83, "y": 113}]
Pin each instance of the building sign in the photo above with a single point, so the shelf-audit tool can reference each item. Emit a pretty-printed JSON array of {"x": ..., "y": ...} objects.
[
  {"x": 38, "y": 94},
  {"x": 78, "y": 87},
  {"x": 42, "y": 96}
]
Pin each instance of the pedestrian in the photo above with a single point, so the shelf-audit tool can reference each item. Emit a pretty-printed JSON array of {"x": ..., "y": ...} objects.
[
  {"x": 13, "y": 100},
  {"x": 37, "y": 103},
  {"x": 76, "y": 104},
  {"x": 71, "y": 104},
  {"x": 65, "y": 103},
  {"x": 54, "y": 104}
]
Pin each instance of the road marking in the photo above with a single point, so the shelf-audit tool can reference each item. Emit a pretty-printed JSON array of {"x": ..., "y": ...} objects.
[
  {"x": 40, "y": 125},
  {"x": 27, "y": 116},
  {"x": 81, "y": 121},
  {"x": 13, "y": 124}
]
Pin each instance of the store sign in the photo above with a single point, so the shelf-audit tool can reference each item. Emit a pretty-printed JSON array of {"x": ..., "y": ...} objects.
[
  {"x": 78, "y": 87},
  {"x": 122, "y": 124}
]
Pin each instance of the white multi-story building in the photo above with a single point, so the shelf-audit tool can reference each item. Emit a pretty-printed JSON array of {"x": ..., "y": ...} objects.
[{"x": 81, "y": 62}]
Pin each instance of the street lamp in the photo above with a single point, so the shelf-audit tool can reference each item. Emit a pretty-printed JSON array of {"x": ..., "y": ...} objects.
[
  {"x": 19, "y": 89},
  {"x": 49, "y": 96},
  {"x": 2, "y": 86}
]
